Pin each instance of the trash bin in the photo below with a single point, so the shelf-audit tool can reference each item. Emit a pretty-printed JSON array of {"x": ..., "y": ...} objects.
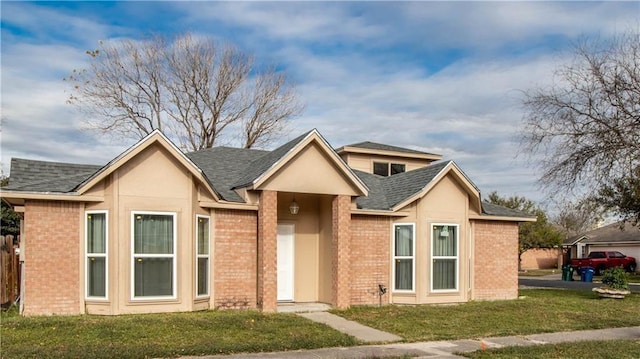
[
  {"x": 571, "y": 270},
  {"x": 588, "y": 274},
  {"x": 567, "y": 273}
]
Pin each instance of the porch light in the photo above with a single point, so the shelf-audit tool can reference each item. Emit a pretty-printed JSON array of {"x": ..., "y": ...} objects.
[
  {"x": 444, "y": 233},
  {"x": 294, "y": 207}
]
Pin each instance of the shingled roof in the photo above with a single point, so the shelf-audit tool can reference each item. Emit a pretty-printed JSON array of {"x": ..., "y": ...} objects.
[
  {"x": 613, "y": 233},
  {"x": 382, "y": 147},
  {"x": 500, "y": 211},
  {"x": 44, "y": 176},
  {"x": 227, "y": 168}
]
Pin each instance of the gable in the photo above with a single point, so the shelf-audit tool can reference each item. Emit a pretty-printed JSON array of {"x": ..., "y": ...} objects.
[
  {"x": 288, "y": 155},
  {"x": 154, "y": 140},
  {"x": 153, "y": 173},
  {"x": 311, "y": 170},
  {"x": 445, "y": 170},
  {"x": 448, "y": 199}
]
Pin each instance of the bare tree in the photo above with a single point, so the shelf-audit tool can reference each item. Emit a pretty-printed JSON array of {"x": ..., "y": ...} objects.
[
  {"x": 575, "y": 217},
  {"x": 584, "y": 130},
  {"x": 194, "y": 90}
]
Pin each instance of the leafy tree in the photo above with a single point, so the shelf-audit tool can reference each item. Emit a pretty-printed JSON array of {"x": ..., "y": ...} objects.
[
  {"x": 622, "y": 196},
  {"x": 583, "y": 131},
  {"x": 190, "y": 88},
  {"x": 10, "y": 219},
  {"x": 532, "y": 235}
]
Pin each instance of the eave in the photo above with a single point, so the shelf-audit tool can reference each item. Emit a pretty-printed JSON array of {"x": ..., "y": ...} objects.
[
  {"x": 378, "y": 212},
  {"x": 228, "y": 205},
  {"x": 18, "y": 197},
  {"x": 368, "y": 151},
  {"x": 502, "y": 218}
]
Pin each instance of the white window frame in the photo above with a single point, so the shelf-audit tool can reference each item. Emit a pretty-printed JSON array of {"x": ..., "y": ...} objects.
[
  {"x": 394, "y": 257},
  {"x": 173, "y": 256},
  {"x": 456, "y": 257},
  {"x": 389, "y": 164},
  {"x": 207, "y": 256},
  {"x": 104, "y": 255}
]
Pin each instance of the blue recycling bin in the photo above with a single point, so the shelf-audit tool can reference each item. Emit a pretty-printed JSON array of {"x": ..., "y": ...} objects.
[{"x": 586, "y": 274}]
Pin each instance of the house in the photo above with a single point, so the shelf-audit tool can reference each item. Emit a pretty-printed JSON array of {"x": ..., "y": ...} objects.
[
  {"x": 623, "y": 237},
  {"x": 158, "y": 230}
]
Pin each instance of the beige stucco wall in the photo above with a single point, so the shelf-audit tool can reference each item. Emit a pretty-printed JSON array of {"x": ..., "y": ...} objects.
[
  {"x": 364, "y": 162},
  {"x": 311, "y": 171},
  {"x": 152, "y": 181},
  {"x": 312, "y": 245},
  {"x": 446, "y": 203}
]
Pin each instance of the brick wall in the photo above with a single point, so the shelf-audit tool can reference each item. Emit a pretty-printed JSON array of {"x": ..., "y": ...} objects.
[
  {"x": 52, "y": 255},
  {"x": 370, "y": 244},
  {"x": 340, "y": 267},
  {"x": 235, "y": 249},
  {"x": 542, "y": 258},
  {"x": 267, "y": 255},
  {"x": 495, "y": 260}
]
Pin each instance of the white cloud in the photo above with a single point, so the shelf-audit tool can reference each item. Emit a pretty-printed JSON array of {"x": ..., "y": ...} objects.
[{"x": 440, "y": 77}]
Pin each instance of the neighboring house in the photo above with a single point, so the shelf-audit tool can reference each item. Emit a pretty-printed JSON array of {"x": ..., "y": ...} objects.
[
  {"x": 612, "y": 237},
  {"x": 157, "y": 230}
]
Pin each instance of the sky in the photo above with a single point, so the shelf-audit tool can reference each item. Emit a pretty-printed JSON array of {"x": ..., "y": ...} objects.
[{"x": 441, "y": 77}]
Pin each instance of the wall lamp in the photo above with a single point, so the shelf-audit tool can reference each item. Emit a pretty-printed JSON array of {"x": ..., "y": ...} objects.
[{"x": 294, "y": 207}]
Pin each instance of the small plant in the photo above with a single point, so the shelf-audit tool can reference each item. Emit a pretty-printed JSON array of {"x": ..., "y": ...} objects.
[{"x": 615, "y": 278}]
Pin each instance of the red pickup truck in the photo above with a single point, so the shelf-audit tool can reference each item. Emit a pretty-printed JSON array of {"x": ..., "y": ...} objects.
[{"x": 601, "y": 260}]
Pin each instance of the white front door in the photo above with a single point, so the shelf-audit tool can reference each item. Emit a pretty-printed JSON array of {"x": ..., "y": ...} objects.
[{"x": 285, "y": 262}]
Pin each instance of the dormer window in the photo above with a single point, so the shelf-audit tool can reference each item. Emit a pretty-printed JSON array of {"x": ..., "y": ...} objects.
[{"x": 388, "y": 169}]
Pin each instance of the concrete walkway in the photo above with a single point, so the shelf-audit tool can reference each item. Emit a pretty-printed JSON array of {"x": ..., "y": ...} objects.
[
  {"x": 441, "y": 349},
  {"x": 361, "y": 332}
]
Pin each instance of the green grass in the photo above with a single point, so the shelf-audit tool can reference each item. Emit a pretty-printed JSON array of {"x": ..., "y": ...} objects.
[
  {"x": 606, "y": 349},
  {"x": 539, "y": 311},
  {"x": 539, "y": 272},
  {"x": 633, "y": 277},
  {"x": 162, "y": 335}
]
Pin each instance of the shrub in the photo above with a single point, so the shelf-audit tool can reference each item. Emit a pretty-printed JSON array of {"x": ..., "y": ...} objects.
[{"x": 615, "y": 278}]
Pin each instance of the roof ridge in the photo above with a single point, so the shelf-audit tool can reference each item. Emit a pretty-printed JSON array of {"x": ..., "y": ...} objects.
[{"x": 385, "y": 147}]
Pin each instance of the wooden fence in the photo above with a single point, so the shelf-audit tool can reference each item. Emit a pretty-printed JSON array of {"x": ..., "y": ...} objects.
[{"x": 10, "y": 271}]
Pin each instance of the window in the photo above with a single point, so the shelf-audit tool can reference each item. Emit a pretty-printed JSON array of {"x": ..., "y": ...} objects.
[
  {"x": 444, "y": 255},
  {"x": 381, "y": 168},
  {"x": 397, "y": 168},
  {"x": 154, "y": 260},
  {"x": 385, "y": 168},
  {"x": 403, "y": 249},
  {"x": 96, "y": 255},
  {"x": 202, "y": 254}
]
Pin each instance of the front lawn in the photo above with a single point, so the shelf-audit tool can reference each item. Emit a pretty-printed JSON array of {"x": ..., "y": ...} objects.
[
  {"x": 539, "y": 311},
  {"x": 605, "y": 349},
  {"x": 162, "y": 335},
  {"x": 538, "y": 272}
]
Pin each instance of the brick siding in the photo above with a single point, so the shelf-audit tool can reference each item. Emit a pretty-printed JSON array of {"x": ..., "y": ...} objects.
[
  {"x": 235, "y": 249},
  {"x": 495, "y": 260},
  {"x": 370, "y": 258},
  {"x": 52, "y": 251},
  {"x": 267, "y": 256},
  {"x": 341, "y": 251}
]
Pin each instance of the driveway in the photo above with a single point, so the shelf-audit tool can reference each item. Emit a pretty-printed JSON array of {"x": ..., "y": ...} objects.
[{"x": 555, "y": 281}]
